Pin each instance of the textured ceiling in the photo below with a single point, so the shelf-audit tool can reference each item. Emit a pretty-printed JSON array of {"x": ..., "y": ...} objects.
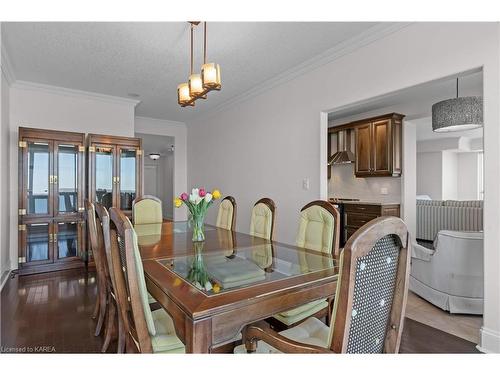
[{"x": 151, "y": 59}]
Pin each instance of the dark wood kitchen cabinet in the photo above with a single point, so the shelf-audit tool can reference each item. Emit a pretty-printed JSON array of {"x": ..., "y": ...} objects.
[
  {"x": 51, "y": 193},
  {"x": 358, "y": 214},
  {"x": 379, "y": 146}
]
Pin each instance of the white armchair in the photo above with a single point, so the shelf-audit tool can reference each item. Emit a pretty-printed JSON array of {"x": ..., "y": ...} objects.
[{"x": 450, "y": 276}]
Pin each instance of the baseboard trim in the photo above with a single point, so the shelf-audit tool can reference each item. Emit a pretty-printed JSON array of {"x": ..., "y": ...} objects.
[
  {"x": 490, "y": 341},
  {"x": 4, "y": 278}
]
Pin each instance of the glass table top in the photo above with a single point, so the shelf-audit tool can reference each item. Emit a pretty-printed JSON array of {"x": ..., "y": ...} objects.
[{"x": 215, "y": 272}]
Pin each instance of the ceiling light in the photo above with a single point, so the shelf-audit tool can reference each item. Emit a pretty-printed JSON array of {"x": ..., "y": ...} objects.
[
  {"x": 458, "y": 114},
  {"x": 199, "y": 84},
  {"x": 154, "y": 156}
]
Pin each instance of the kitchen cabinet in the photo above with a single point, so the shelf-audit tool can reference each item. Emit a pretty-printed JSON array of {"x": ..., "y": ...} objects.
[
  {"x": 358, "y": 214},
  {"x": 379, "y": 146}
]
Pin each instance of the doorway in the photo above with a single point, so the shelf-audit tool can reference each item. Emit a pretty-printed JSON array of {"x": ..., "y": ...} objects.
[
  {"x": 159, "y": 154},
  {"x": 459, "y": 156}
]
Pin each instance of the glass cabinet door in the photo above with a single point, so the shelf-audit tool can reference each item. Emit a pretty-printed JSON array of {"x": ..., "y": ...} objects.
[
  {"x": 39, "y": 178},
  {"x": 66, "y": 238},
  {"x": 127, "y": 178},
  {"x": 104, "y": 180},
  {"x": 38, "y": 240},
  {"x": 67, "y": 179}
]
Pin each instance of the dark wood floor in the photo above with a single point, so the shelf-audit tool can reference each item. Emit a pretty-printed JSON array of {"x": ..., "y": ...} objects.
[{"x": 51, "y": 313}]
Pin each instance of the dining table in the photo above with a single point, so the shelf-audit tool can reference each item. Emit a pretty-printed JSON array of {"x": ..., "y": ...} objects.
[{"x": 214, "y": 288}]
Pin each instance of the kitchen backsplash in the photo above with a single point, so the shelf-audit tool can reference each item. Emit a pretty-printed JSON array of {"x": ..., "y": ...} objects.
[{"x": 344, "y": 184}]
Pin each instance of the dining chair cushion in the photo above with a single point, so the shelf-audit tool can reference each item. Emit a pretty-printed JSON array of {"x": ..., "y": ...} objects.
[
  {"x": 312, "y": 331},
  {"x": 151, "y": 299},
  {"x": 141, "y": 284},
  {"x": 316, "y": 229},
  {"x": 297, "y": 314},
  {"x": 147, "y": 211},
  {"x": 261, "y": 221},
  {"x": 225, "y": 215},
  {"x": 165, "y": 340}
]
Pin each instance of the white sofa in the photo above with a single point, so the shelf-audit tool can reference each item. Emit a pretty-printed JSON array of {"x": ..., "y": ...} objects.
[
  {"x": 435, "y": 215},
  {"x": 450, "y": 276}
]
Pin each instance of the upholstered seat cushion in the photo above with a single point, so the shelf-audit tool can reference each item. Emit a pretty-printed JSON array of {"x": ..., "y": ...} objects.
[
  {"x": 225, "y": 215},
  {"x": 312, "y": 331},
  {"x": 165, "y": 340},
  {"x": 316, "y": 229},
  {"x": 261, "y": 221},
  {"x": 147, "y": 211},
  {"x": 297, "y": 314}
]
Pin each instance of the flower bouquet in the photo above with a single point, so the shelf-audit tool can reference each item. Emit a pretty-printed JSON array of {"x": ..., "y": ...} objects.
[{"x": 197, "y": 203}]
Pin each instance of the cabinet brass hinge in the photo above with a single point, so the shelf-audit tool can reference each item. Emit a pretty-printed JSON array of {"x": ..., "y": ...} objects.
[
  {"x": 21, "y": 227},
  {"x": 51, "y": 179},
  {"x": 22, "y": 211},
  {"x": 21, "y": 260},
  {"x": 23, "y": 144},
  {"x": 139, "y": 152},
  {"x": 81, "y": 148},
  {"x": 91, "y": 149}
]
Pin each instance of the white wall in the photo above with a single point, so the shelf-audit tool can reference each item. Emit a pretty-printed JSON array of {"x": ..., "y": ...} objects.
[
  {"x": 266, "y": 144},
  {"x": 48, "y": 107},
  {"x": 450, "y": 181},
  {"x": 4, "y": 168},
  {"x": 178, "y": 131},
  {"x": 468, "y": 176},
  {"x": 448, "y": 175},
  {"x": 430, "y": 174}
]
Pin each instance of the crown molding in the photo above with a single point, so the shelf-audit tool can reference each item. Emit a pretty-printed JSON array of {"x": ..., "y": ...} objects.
[
  {"x": 367, "y": 37},
  {"x": 7, "y": 70},
  {"x": 33, "y": 86},
  {"x": 161, "y": 121}
]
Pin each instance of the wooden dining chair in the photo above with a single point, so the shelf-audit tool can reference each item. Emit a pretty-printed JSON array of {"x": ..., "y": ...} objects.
[
  {"x": 263, "y": 219},
  {"x": 147, "y": 210},
  {"x": 146, "y": 331},
  {"x": 370, "y": 300},
  {"x": 97, "y": 246},
  {"x": 114, "y": 324},
  {"x": 226, "y": 216},
  {"x": 319, "y": 230}
]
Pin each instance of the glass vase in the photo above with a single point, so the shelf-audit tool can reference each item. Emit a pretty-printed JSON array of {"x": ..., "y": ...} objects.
[
  {"x": 198, "y": 224},
  {"x": 197, "y": 273}
]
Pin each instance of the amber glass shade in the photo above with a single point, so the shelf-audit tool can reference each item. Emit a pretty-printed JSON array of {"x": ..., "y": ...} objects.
[
  {"x": 195, "y": 85},
  {"x": 210, "y": 76},
  {"x": 183, "y": 96}
]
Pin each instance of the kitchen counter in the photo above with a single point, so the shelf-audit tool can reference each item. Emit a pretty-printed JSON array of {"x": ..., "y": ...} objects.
[{"x": 371, "y": 203}]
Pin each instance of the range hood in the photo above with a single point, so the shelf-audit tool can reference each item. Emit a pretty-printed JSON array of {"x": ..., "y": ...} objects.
[{"x": 343, "y": 154}]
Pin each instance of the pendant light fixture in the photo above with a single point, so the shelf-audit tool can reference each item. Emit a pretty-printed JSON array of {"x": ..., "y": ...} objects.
[
  {"x": 199, "y": 85},
  {"x": 457, "y": 114}
]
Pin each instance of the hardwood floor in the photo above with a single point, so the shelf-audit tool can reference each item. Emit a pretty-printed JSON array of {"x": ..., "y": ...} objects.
[
  {"x": 461, "y": 325},
  {"x": 52, "y": 313}
]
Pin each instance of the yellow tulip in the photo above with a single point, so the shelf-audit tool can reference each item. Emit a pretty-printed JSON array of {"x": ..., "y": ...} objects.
[
  {"x": 177, "y": 202},
  {"x": 216, "y": 194}
]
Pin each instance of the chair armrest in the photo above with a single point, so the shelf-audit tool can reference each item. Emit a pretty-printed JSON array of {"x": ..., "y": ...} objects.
[
  {"x": 253, "y": 333},
  {"x": 421, "y": 252}
]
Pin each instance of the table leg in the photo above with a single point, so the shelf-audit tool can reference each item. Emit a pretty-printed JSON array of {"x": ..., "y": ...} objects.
[{"x": 198, "y": 335}]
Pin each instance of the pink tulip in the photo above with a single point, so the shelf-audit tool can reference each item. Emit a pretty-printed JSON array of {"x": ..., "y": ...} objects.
[
  {"x": 184, "y": 197},
  {"x": 202, "y": 192}
]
